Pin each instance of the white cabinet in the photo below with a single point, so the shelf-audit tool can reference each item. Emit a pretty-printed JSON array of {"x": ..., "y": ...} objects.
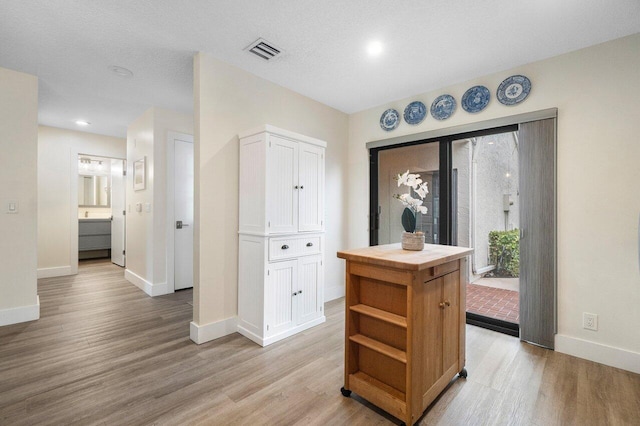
[
  {"x": 280, "y": 297},
  {"x": 281, "y": 182},
  {"x": 281, "y": 244}
]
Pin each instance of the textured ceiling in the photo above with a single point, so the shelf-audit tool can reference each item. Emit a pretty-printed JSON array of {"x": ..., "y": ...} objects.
[{"x": 69, "y": 45}]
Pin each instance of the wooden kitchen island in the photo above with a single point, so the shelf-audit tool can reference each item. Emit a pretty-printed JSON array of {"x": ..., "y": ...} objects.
[{"x": 405, "y": 325}]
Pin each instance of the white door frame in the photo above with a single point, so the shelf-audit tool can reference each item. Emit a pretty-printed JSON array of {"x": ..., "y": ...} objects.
[
  {"x": 170, "y": 213},
  {"x": 73, "y": 204}
]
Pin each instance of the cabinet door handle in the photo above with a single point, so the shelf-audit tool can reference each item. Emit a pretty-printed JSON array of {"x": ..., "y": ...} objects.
[
  {"x": 309, "y": 244},
  {"x": 447, "y": 303},
  {"x": 284, "y": 247}
]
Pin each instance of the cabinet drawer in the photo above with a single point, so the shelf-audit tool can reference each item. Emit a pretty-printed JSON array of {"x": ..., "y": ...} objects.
[
  {"x": 288, "y": 247},
  {"x": 310, "y": 245},
  {"x": 283, "y": 248}
]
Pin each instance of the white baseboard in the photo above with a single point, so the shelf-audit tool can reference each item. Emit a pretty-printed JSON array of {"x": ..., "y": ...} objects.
[
  {"x": 607, "y": 355},
  {"x": 214, "y": 330},
  {"x": 150, "y": 288},
  {"x": 272, "y": 339},
  {"x": 20, "y": 314},
  {"x": 58, "y": 271},
  {"x": 333, "y": 293}
]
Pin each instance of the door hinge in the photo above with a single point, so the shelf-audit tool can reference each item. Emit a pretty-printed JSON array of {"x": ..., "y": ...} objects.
[
  {"x": 124, "y": 172},
  {"x": 269, "y": 144},
  {"x": 268, "y": 272},
  {"x": 267, "y": 327},
  {"x": 124, "y": 212},
  {"x": 123, "y": 252},
  {"x": 269, "y": 224}
]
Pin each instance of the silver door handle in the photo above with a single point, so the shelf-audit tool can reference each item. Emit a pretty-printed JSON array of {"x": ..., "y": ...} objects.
[{"x": 180, "y": 225}]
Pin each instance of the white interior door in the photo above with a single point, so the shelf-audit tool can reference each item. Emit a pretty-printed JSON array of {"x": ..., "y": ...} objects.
[
  {"x": 183, "y": 214},
  {"x": 117, "y": 212}
]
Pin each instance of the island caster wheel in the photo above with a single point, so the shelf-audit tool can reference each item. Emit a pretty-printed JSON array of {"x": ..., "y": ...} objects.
[
  {"x": 346, "y": 393},
  {"x": 463, "y": 373}
]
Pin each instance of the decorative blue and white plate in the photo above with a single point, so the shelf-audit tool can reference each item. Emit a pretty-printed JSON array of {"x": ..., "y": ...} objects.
[
  {"x": 476, "y": 99},
  {"x": 513, "y": 90},
  {"x": 415, "y": 112},
  {"x": 443, "y": 107},
  {"x": 390, "y": 119}
]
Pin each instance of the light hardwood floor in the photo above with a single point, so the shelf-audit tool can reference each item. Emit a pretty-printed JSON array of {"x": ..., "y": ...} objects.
[{"x": 105, "y": 353}]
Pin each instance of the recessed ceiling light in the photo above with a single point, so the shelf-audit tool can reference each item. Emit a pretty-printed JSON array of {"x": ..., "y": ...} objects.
[
  {"x": 121, "y": 71},
  {"x": 82, "y": 123},
  {"x": 374, "y": 48}
]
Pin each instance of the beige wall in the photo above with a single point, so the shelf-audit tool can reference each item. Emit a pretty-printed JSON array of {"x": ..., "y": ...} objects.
[
  {"x": 228, "y": 101},
  {"x": 18, "y": 244},
  {"x": 58, "y": 151},
  {"x": 595, "y": 91},
  {"x": 146, "y": 246}
]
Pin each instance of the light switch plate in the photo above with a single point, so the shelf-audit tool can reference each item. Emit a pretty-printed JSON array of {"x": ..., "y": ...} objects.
[{"x": 12, "y": 207}]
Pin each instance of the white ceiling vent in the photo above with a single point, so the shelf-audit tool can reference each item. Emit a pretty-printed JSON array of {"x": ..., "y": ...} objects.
[{"x": 264, "y": 49}]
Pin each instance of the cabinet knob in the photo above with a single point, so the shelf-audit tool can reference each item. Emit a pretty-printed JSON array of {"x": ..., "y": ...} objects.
[
  {"x": 309, "y": 244},
  {"x": 300, "y": 292},
  {"x": 301, "y": 186},
  {"x": 284, "y": 247},
  {"x": 295, "y": 187},
  {"x": 295, "y": 294},
  {"x": 446, "y": 302},
  {"x": 441, "y": 304}
]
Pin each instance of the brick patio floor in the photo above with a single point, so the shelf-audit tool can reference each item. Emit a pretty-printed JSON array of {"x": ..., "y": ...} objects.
[{"x": 493, "y": 302}]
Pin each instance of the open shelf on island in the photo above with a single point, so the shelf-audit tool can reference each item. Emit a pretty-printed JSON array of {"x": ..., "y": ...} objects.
[{"x": 385, "y": 316}]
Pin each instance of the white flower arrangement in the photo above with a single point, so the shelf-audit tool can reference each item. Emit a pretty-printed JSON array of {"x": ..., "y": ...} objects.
[{"x": 412, "y": 205}]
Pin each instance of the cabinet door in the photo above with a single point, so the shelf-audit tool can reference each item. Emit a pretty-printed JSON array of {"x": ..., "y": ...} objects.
[
  {"x": 432, "y": 343},
  {"x": 309, "y": 299},
  {"x": 311, "y": 192},
  {"x": 282, "y": 179},
  {"x": 280, "y": 309},
  {"x": 451, "y": 319}
]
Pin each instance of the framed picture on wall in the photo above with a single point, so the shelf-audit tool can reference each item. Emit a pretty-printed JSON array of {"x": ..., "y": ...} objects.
[{"x": 139, "y": 169}]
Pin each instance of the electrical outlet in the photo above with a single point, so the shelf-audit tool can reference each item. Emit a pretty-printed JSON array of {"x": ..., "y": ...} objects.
[{"x": 590, "y": 321}]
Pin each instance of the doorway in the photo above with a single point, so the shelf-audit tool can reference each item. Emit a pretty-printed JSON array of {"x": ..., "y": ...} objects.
[
  {"x": 480, "y": 174},
  {"x": 99, "y": 208},
  {"x": 180, "y": 210}
]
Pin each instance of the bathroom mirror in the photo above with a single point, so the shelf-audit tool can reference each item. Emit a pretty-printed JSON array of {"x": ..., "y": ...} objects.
[{"x": 94, "y": 191}]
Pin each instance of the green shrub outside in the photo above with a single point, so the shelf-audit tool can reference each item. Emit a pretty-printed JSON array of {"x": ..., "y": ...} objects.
[{"x": 504, "y": 252}]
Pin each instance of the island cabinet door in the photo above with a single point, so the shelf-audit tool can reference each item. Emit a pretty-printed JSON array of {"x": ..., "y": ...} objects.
[
  {"x": 279, "y": 299},
  {"x": 432, "y": 344},
  {"x": 451, "y": 320},
  {"x": 442, "y": 319}
]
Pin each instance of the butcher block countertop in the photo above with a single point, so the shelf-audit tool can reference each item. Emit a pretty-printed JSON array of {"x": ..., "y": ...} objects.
[{"x": 393, "y": 256}]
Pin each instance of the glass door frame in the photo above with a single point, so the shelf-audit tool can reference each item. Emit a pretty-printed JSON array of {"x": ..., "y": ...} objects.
[
  {"x": 447, "y": 205},
  {"x": 447, "y": 199}
]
